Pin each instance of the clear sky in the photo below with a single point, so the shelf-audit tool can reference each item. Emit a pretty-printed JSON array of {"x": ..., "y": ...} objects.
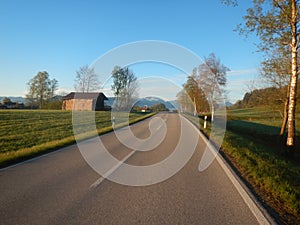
[{"x": 59, "y": 36}]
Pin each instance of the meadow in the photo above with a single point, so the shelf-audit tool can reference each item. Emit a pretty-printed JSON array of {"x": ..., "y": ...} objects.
[
  {"x": 27, "y": 133},
  {"x": 253, "y": 145}
]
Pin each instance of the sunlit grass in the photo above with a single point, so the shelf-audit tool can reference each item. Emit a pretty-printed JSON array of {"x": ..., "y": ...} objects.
[
  {"x": 26, "y": 133},
  {"x": 253, "y": 145}
]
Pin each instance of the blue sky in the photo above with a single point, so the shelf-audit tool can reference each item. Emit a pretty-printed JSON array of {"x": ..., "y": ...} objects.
[{"x": 61, "y": 36}]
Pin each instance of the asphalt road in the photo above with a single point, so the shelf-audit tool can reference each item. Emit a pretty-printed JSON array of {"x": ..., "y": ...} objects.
[{"x": 61, "y": 188}]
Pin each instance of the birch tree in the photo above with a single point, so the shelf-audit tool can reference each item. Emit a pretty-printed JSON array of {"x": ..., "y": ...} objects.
[
  {"x": 276, "y": 23},
  {"x": 212, "y": 78}
]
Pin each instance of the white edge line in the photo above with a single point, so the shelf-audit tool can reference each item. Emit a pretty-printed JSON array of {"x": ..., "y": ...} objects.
[
  {"x": 110, "y": 171},
  {"x": 255, "y": 207}
]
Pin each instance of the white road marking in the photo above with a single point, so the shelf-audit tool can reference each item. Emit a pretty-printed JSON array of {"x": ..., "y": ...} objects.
[
  {"x": 255, "y": 207},
  {"x": 159, "y": 127},
  {"x": 114, "y": 168},
  {"x": 161, "y": 124},
  {"x": 109, "y": 172}
]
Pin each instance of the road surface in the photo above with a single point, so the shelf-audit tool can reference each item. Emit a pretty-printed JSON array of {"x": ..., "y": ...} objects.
[{"x": 61, "y": 188}]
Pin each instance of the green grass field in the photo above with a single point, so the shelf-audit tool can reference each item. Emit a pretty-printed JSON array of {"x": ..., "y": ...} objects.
[
  {"x": 253, "y": 144},
  {"x": 263, "y": 115},
  {"x": 26, "y": 133}
]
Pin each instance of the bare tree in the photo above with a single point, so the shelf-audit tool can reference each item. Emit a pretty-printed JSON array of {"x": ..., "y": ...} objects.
[
  {"x": 53, "y": 87},
  {"x": 185, "y": 100},
  {"x": 275, "y": 70},
  {"x": 86, "y": 80},
  {"x": 212, "y": 79}
]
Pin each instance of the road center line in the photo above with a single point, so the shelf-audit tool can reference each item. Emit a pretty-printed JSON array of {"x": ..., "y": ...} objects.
[
  {"x": 109, "y": 172},
  {"x": 114, "y": 168},
  {"x": 159, "y": 127},
  {"x": 161, "y": 124}
]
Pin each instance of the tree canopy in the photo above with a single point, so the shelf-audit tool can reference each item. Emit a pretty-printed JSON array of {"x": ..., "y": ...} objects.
[
  {"x": 203, "y": 86},
  {"x": 159, "y": 107},
  {"x": 41, "y": 89},
  {"x": 86, "y": 80},
  {"x": 124, "y": 87}
]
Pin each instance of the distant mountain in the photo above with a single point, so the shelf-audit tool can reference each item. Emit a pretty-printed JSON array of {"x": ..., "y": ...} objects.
[
  {"x": 148, "y": 101},
  {"x": 151, "y": 101},
  {"x": 56, "y": 98},
  {"x": 14, "y": 99},
  {"x": 24, "y": 100},
  {"x": 228, "y": 104}
]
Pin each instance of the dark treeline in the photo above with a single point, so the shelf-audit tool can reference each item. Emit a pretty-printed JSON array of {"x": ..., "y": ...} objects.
[{"x": 271, "y": 96}]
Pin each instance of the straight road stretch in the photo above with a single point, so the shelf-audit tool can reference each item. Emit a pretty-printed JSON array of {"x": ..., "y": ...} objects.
[{"x": 61, "y": 187}]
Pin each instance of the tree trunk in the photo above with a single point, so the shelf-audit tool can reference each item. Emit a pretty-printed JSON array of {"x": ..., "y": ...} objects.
[
  {"x": 212, "y": 112},
  {"x": 41, "y": 101},
  {"x": 291, "y": 110},
  {"x": 293, "y": 81},
  {"x": 285, "y": 113}
]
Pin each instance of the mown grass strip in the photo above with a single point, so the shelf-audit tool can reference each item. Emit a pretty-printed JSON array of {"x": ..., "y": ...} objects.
[
  {"x": 252, "y": 145},
  {"x": 43, "y": 131},
  {"x": 274, "y": 178}
]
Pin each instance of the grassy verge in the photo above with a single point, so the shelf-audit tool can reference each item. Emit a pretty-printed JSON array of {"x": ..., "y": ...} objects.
[
  {"x": 252, "y": 146},
  {"x": 28, "y": 133}
]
